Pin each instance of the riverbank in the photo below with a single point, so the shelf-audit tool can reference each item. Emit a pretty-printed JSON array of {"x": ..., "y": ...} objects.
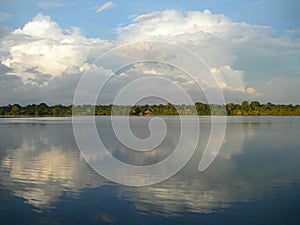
[{"x": 202, "y": 109}]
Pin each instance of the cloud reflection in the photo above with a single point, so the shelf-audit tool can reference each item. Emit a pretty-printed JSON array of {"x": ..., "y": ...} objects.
[
  {"x": 40, "y": 163},
  {"x": 40, "y": 172},
  {"x": 243, "y": 171}
]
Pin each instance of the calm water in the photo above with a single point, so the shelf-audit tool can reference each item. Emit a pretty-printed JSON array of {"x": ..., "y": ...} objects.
[{"x": 255, "y": 179}]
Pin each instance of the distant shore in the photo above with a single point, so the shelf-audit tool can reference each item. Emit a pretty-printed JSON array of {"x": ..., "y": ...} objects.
[{"x": 253, "y": 108}]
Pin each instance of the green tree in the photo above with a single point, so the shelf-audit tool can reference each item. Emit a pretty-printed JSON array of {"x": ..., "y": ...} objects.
[
  {"x": 245, "y": 108},
  {"x": 15, "y": 109}
]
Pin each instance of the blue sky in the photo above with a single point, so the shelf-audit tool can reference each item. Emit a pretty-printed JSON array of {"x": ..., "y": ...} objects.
[
  {"x": 252, "y": 46},
  {"x": 280, "y": 14}
]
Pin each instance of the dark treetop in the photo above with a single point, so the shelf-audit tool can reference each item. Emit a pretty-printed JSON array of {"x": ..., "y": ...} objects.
[{"x": 244, "y": 109}]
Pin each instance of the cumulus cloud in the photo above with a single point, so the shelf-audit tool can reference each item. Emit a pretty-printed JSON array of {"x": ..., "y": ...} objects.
[
  {"x": 217, "y": 39},
  {"x": 153, "y": 71},
  {"x": 43, "y": 47},
  {"x": 241, "y": 56},
  {"x": 231, "y": 79},
  {"x": 171, "y": 25},
  {"x": 107, "y": 5}
]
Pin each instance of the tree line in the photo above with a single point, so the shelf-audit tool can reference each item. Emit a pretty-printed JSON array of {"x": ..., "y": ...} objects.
[{"x": 253, "y": 108}]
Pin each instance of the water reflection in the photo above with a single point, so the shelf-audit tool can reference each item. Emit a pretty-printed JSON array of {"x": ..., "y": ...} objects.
[
  {"x": 41, "y": 164},
  {"x": 251, "y": 166},
  {"x": 45, "y": 165}
]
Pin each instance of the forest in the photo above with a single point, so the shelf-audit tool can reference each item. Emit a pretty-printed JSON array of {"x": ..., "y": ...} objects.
[{"x": 253, "y": 108}]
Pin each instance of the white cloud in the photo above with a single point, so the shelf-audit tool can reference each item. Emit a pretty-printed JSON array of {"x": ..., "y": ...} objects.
[
  {"x": 229, "y": 78},
  {"x": 43, "y": 47},
  {"x": 242, "y": 56},
  {"x": 4, "y": 16},
  {"x": 169, "y": 24},
  {"x": 49, "y": 5},
  {"x": 107, "y": 5}
]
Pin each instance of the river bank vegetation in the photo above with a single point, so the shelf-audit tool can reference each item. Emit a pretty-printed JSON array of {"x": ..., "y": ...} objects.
[{"x": 253, "y": 108}]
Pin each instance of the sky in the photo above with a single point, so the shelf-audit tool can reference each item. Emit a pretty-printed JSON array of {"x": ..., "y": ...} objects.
[{"x": 251, "y": 47}]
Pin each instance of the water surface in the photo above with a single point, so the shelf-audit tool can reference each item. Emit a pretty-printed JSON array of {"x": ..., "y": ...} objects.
[{"x": 255, "y": 178}]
